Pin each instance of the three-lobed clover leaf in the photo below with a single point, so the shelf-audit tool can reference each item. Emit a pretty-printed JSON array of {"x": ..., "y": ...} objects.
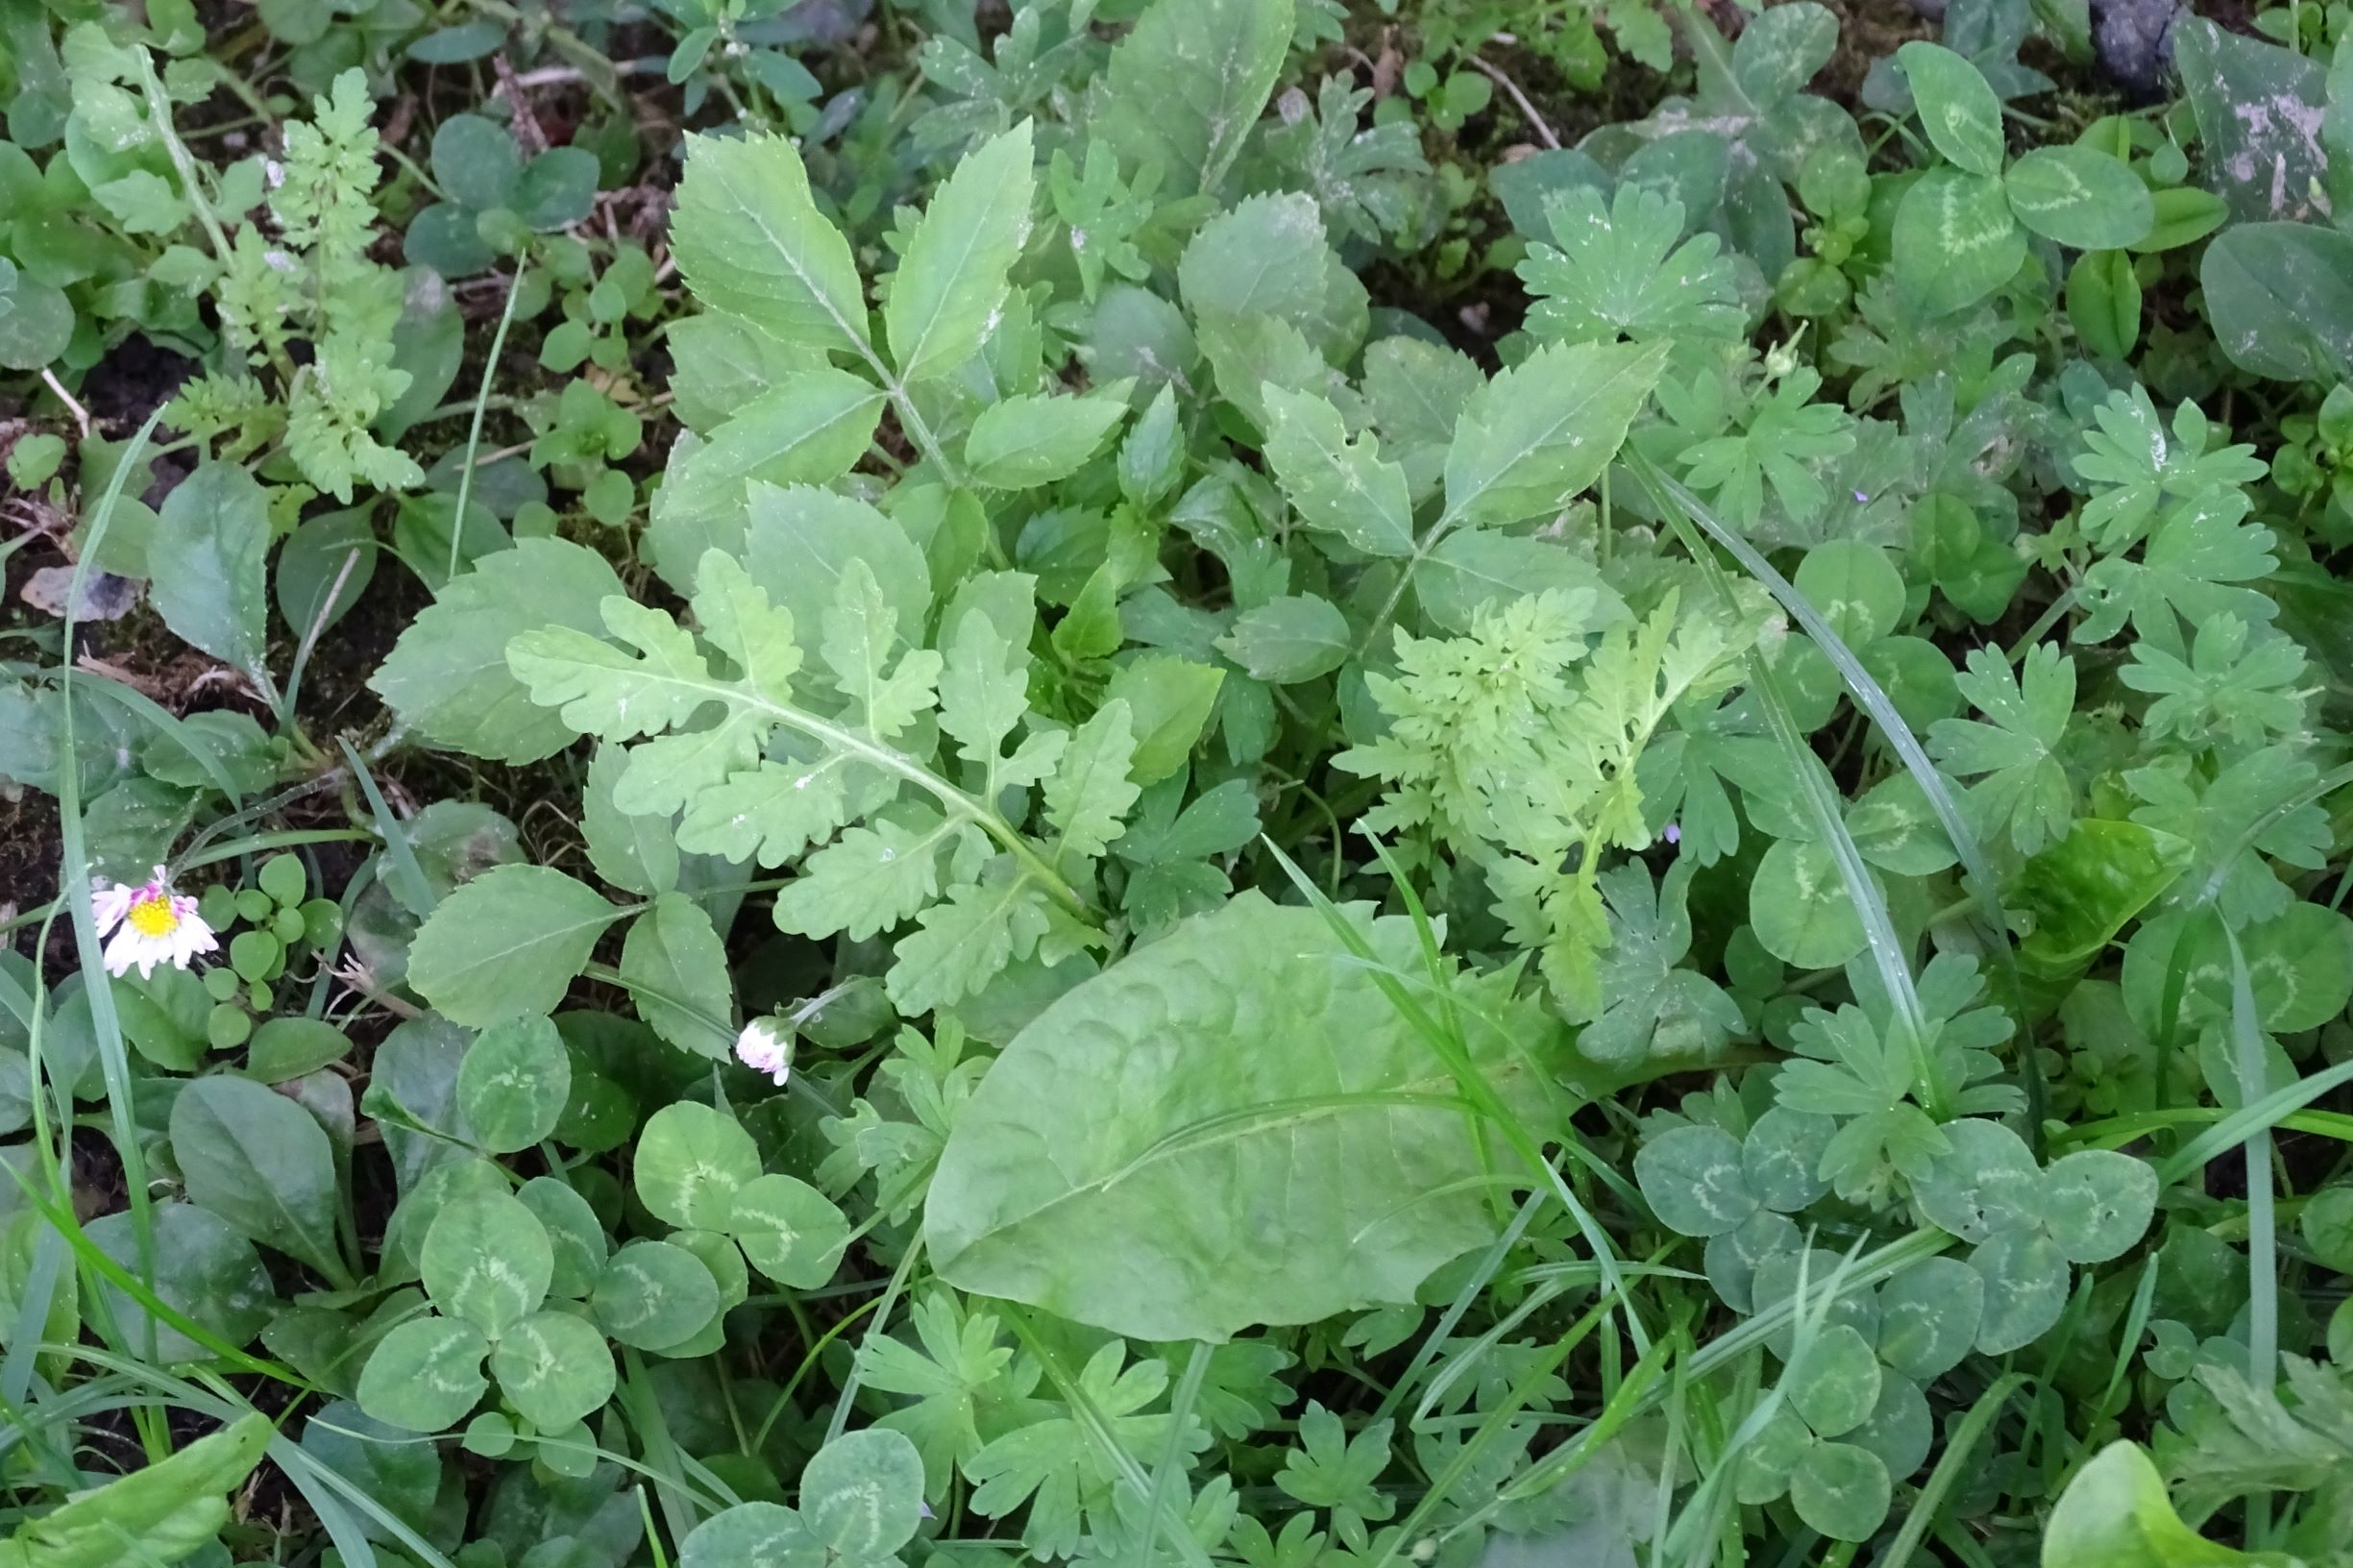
[
  {"x": 487, "y": 1264},
  {"x": 2030, "y": 1223},
  {"x": 861, "y": 1502},
  {"x": 1702, "y": 1180}
]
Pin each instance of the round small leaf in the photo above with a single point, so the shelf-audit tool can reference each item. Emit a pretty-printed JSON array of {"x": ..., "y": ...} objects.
[
  {"x": 1835, "y": 1386},
  {"x": 554, "y": 1369},
  {"x": 1731, "y": 1259},
  {"x": 863, "y": 1493},
  {"x": 1777, "y": 1277},
  {"x": 1799, "y": 906},
  {"x": 1783, "y": 1155},
  {"x": 1840, "y": 1490},
  {"x": 1954, "y": 240},
  {"x": 2327, "y": 1224},
  {"x": 1893, "y": 825},
  {"x": 557, "y": 187},
  {"x": 791, "y": 1232},
  {"x": 2025, "y": 1289},
  {"x": 1693, "y": 1180},
  {"x": 487, "y": 1260},
  {"x": 255, "y": 955},
  {"x": 513, "y": 1084},
  {"x": 476, "y": 160},
  {"x": 1855, "y": 587},
  {"x": 573, "y": 1234},
  {"x": 2300, "y": 967},
  {"x": 651, "y": 1295},
  {"x": 2096, "y": 1203},
  {"x": 724, "y": 1257},
  {"x": 425, "y": 1374},
  {"x": 1762, "y": 1473},
  {"x": 1985, "y": 1182},
  {"x": 2080, "y": 196},
  {"x": 753, "y": 1536},
  {"x": 691, "y": 1161},
  {"x": 1900, "y": 1430},
  {"x": 1929, "y": 1316},
  {"x": 283, "y": 878},
  {"x": 1957, "y": 107}
]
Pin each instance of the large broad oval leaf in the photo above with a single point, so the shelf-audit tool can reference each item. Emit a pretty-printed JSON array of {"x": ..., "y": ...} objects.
[
  {"x": 1233, "y": 1126},
  {"x": 2281, "y": 298}
]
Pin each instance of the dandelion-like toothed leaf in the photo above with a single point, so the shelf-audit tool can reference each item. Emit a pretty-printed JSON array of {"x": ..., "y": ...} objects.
[
  {"x": 965, "y": 939},
  {"x": 609, "y": 690},
  {"x": 763, "y": 767},
  {"x": 871, "y": 878},
  {"x": 1339, "y": 486},
  {"x": 1090, "y": 794}
]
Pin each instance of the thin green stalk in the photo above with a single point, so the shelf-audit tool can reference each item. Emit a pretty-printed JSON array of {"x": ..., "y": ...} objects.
[
  {"x": 2263, "y": 1237},
  {"x": 1959, "y": 1446},
  {"x": 74, "y": 877},
  {"x": 482, "y": 402}
]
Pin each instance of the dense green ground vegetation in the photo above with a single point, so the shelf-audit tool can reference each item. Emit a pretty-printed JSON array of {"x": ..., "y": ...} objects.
[{"x": 1212, "y": 783}]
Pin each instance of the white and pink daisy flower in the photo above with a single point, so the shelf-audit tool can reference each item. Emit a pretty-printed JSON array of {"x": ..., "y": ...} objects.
[
  {"x": 150, "y": 925},
  {"x": 766, "y": 1045}
]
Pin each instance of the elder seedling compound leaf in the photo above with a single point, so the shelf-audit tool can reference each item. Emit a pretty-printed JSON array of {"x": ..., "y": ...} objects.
[
  {"x": 507, "y": 945},
  {"x": 1034, "y": 439},
  {"x": 750, "y": 241},
  {"x": 1285, "y": 641},
  {"x": 1184, "y": 89},
  {"x": 448, "y": 678},
  {"x": 676, "y": 967},
  {"x": 945, "y": 295},
  {"x": 1544, "y": 429},
  {"x": 1339, "y": 486}
]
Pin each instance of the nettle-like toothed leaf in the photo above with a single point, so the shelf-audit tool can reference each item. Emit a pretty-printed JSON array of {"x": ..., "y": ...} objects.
[{"x": 777, "y": 754}]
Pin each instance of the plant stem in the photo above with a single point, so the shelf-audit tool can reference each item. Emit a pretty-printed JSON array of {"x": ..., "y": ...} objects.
[{"x": 474, "y": 436}]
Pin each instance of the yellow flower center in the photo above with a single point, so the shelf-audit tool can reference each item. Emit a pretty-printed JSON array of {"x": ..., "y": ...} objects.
[{"x": 155, "y": 917}]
